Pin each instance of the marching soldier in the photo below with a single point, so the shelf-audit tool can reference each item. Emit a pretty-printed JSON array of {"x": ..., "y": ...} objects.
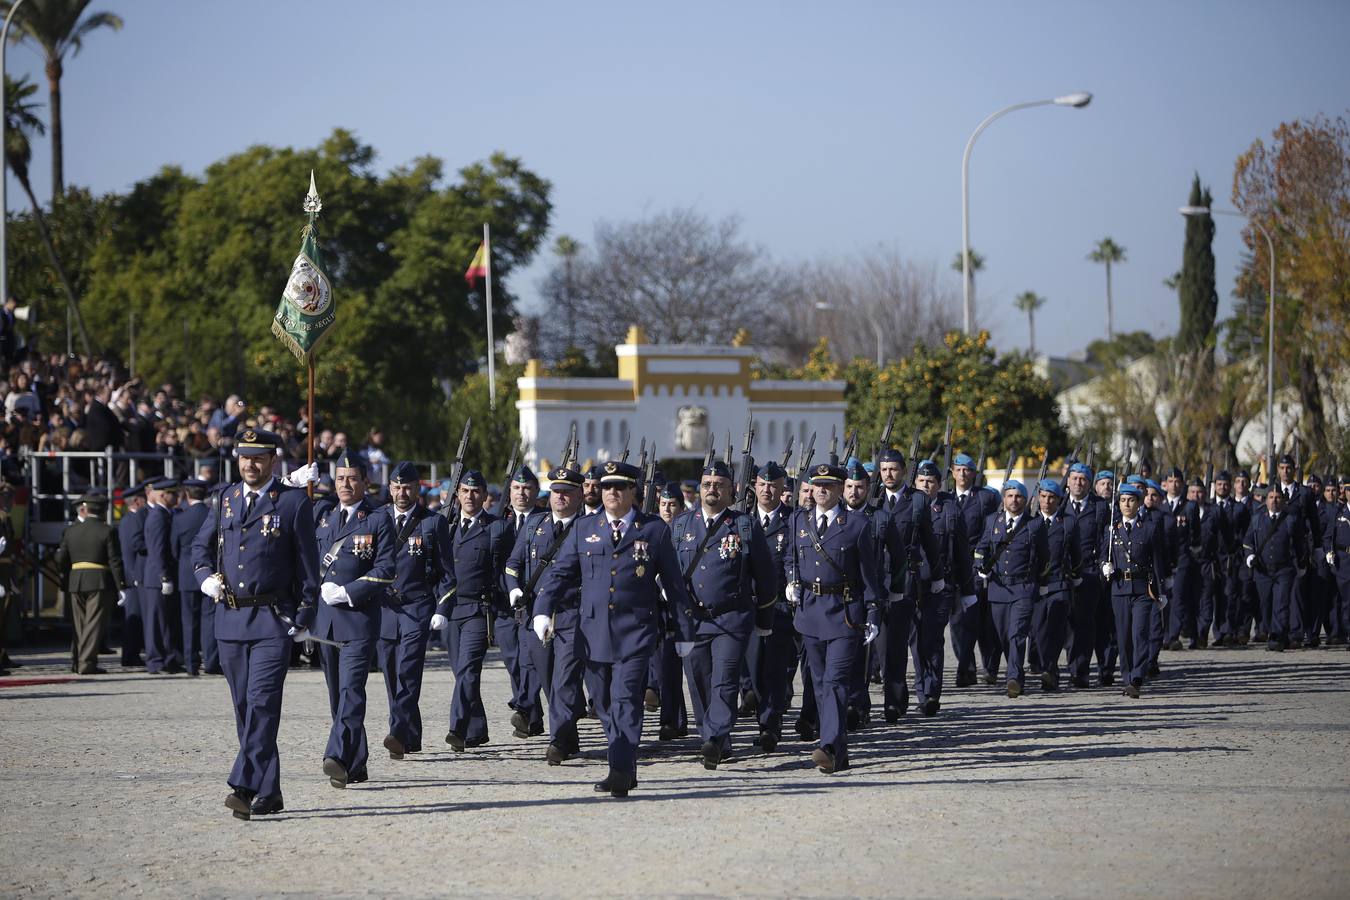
[
  {"x": 527, "y": 717},
  {"x": 199, "y": 637},
  {"x": 257, "y": 561},
  {"x": 557, "y": 662},
  {"x": 1336, "y": 552},
  {"x": 1328, "y": 507},
  {"x": 131, "y": 536},
  {"x": 721, "y": 551},
  {"x": 1168, "y": 533},
  {"x": 1059, "y": 582},
  {"x": 481, "y": 544},
  {"x": 1186, "y": 574},
  {"x": 159, "y": 596},
  {"x": 1229, "y": 587},
  {"x": 90, "y": 562},
  {"x": 1250, "y": 615},
  {"x": 1210, "y": 611},
  {"x": 774, "y": 656},
  {"x": 357, "y": 541},
  {"x": 1134, "y": 563},
  {"x": 907, "y": 529},
  {"x": 946, "y": 577},
  {"x": 424, "y": 575},
  {"x": 666, "y": 670},
  {"x": 1088, "y": 515},
  {"x": 857, "y": 488},
  {"x": 1011, "y": 558},
  {"x": 590, "y": 491},
  {"x": 616, "y": 557},
  {"x": 976, "y": 625},
  {"x": 1276, "y": 548},
  {"x": 1107, "y": 647},
  {"x": 1301, "y": 502},
  {"x": 834, "y": 584}
]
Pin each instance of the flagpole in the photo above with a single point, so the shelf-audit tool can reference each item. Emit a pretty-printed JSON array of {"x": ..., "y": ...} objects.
[
  {"x": 491, "y": 356},
  {"x": 309, "y": 421}
]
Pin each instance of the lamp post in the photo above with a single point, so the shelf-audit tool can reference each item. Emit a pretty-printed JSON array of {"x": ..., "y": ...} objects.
[
  {"x": 1076, "y": 100},
  {"x": 1270, "y": 351},
  {"x": 4, "y": 165},
  {"x": 876, "y": 326}
]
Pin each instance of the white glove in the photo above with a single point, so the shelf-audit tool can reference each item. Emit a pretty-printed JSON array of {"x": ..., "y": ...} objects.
[
  {"x": 794, "y": 592},
  {"x": 334, "y": 594},
  {"x": 1108, "y": 569},
  {"x": 982, "y": 575},
  {"x": 763, "y": 632},
  {"x": 299, "y": 635},
  {"x": 515, "y": 597},
  {"x": 1162, "y": 601},
  {"x": 439, "y": 622},
  {"x": 121, "y": 598},
  {"x": 894, "y": 598},
  {"x": 4, "y": 542},
  {"x": 938, "y": 586},
  {"x": 1251, "y": 561},
  {"x": 307, "y": 474},
  {"x": 683, "y": 648},
  {"x": 166, "y": 588},
  {"x": 213, "y": 587},
  {"x": 870, "y": 633},
  {"x": 540, "y": 625},
  {"x": 1331, "y": 556}
]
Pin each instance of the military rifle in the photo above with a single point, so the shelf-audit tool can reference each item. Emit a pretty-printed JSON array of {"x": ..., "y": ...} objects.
[
  {"x": 569, "y": 451},
  {"x": 979, "y": 463},
  {"x": 787, "y": 453},
  {"x": 808, "y": 453},
  {"x": 742, "y": 484},
  {"x": 850, "y": 445},
  {"x": 709, "y": 456},
  {"x": 946, "y": 454},
  {"x": 627, "y": 437},
  {"x": 834, "y": 446},
  {"x": 649, "y": 497},
  {"x": 883, "y": 443},
  {"x": 1007, "y": 473},
  {"x": 912, "y": 461},
  {"x": 450, "y": 507},
  {"x": 511, "y": 463},
  {"x": 1040, "y": 479},
  {"x": 726, "y": 451}
]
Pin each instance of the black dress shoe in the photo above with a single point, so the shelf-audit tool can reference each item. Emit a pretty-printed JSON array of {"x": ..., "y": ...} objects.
[
  {"x": 336, "y": 772},
  {"x": 1107, "y": 679},
  {"x": 1081, "y": 682},
  {"x": 238, "y": 802},
  {"x": 455, "y": 741},
  {"x": 1049, "y": 683},
  {"x": 768, "y": 740},
  {"x": 805, "y": 728},
  {"x": 520, "y": 724},
  {"x": 712, "y": 754},
  {"x": 893, "y": 714},
  {"x": 1014, "y": 688},
  {"x": 651, "y": 701},
  {"x": 1274, "y": 647},
  {"x": 475, "y": 742},
  {"x": 965, "y": 679},
  {"x": 990, "y": 678},
  {"x": 616, "y": 784},
  {"x": 394, "y": 746},
  {"x": 358, "y": 776},
  {"x": 1154, "y": 671},
  {"x": 266, "y": 806},
  {"x": 749, "y": 707},
  {"x": 1172, "y": 645},
  {"x": 823, "y": 760},
  {"x": 94, "y": 671},
  {"x": 852, "y": 718},
  {"x": 555, "y": 755},
  {"x": 930, "y": 708},
  {"x": 667, "y": 733},
  {"x": 1132, "y": 691}
]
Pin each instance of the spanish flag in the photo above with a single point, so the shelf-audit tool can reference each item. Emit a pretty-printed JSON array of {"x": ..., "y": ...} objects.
[{"x": 479, "y": 267}]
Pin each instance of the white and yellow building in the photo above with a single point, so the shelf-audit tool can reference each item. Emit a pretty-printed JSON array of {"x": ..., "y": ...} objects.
[{"x": 674, "y": 395}]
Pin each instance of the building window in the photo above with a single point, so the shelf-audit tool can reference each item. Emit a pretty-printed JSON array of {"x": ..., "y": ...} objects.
[
  {"x": 607, "y": 434},
  {"x": 590, "y": 432},
  {"x": 773, "y": 432}
]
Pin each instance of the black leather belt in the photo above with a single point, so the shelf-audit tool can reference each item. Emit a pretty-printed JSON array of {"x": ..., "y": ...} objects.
[
  {"x": 234, "y": 602},
  {"x": 828, "y": 589}
]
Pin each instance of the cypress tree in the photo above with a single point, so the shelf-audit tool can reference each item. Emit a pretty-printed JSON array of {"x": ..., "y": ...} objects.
[{"x": 1197, "y": 294}]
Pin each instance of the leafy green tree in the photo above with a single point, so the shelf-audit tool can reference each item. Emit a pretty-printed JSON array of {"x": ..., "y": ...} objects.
[
  {"x": 1127, "y": 346},
  {"x": 1196, "y": 291},
  {"x": 58, "y": 28},
  {"x": 1028, "y": 302},
  {"x": 1108, "y": 253},
  {"x": 493, "y": 433}
]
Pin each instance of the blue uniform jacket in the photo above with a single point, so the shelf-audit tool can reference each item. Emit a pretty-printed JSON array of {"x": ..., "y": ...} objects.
[
  {"x": 621, "y": 613},
  {"x": 1021, "y": 563},
  {"x": 905, "y": 537},
  {"x": 951, "y": 560},
  {"x": 1336, "y": 539},
  {"x": 360, "y": 557},
  {"x": 1138, "y": 554},
  {"x": 160, "y": 564},
  {"x": 424, "y": 571},
  {"x": 720, "y": 585},
  {"x": 186, "y": 524},
  {"x": 1278, "y": 546},
  {"x": 1234, "y": 518},
  {"x": 271, "y": 553},
  {"x": 479, "y": 557},
  {"x": 825, "y": 611},
  {"x": 778, "y": 537},
  {"x": 131, "y": 535},
  {"x": 528, "y": 553},
  {"x": 1089, "y": 525},
  {"x": 1064, "y": 552}
]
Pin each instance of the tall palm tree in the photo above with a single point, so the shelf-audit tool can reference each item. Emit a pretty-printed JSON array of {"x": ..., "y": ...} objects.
[
  {"x": 976, "y": 265},
  {"x": 20, "y": 121},
  {"x": 1028, "y": 302},
  {"x": 57, "y": 27},
  {"x": 567, "y": 249},
  {"x": 1107, "y": 252}
]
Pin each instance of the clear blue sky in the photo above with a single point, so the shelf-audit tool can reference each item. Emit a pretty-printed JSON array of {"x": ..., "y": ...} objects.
[{"x": 828, "y": 128}]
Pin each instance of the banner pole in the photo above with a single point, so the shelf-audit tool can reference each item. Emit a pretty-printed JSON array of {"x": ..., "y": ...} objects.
[
  {"x": 491, "y": 356},
  {"x": 309, "y": 419}
]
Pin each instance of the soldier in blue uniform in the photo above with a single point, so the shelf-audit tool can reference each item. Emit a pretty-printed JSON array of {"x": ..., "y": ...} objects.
[
  {"x": 1058, "y": 583},
  {"x": 1156, "y": 510},
  {"x": 1336, "y": 553},
  {"x": 834, "y": 582},
  {"x": 616, "y": 557},
  {"x": 1188, "y": 577},
  {"x": 1010, "y": 558},
  {"x": 722, "y": 553},
  {"x": 776, "y": 653},
  {"x": 1107, "y": 647},
  {"x": 1134, "y": 561},
  {"x": 556, "y": 662},
  {"x": 946, "y": 577},
  {"x": 255, "y": 558},
  {"x": 1276, "y": 548},
  {"x": 131, "y": 537},
  {"x": 665, "y": 670},
  {"x": 1250, "y": 618},
  {"x": 159, "y": 595},
  {"x": 424, "y": 575},
  {"x": 1328, "y": 508},
  {"x": 199, "y": 635},
  {"x": 1231, "y": 526},
  {"x": 1301, "y": 502},
  {"x": 357, "y": 543},
  {"x": 512, "y": 624},
  {"x": 1210, "y": 611},
  {"x": 974, "y": 625},
  {"x": 1087, "y": 518},
  {"x": 481, "y": 544},
  {"x": 857, "y": 488}
]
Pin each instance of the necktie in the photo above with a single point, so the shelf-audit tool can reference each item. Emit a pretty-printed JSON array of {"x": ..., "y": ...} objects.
[
  {"x": 342, "y": 518},
  {"x": 1078, "y": 507},
  {"x": 1010, "y": 524},
  {"x": 557, "y": 529},
  {"x": 708, "y": 523},
  {"x": 400, "y": 522},
  {"x": 248, "y": 504},
  {"x": 465, "y": 524},
  {"x": 766, "y": 522},
  {"x": 961, "y": 500},
  {"x": 617, "y": 525},
  {"x": 520, "y": 522},
  {"x": 822, "y": 524}
]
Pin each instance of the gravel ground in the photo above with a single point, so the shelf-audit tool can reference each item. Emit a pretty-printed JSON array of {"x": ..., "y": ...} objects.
[{"x": 1228, "y": 779}]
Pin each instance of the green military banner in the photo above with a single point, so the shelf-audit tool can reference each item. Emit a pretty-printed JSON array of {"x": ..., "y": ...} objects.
[{"x": 306, "y": 310}]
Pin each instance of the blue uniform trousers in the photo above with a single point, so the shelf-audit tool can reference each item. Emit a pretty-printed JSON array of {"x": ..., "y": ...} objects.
[
  {"x": 618, "y": 690},
  {"x": 199, "y": 631},
  {"x": 256, "y": 671},
  {"x": 515, "y": 652},
  {"x": 467, "y": 640},
  {"x": 670, "y": 669},
  {"x": 898, "y": 621},
  {"x": 808, "y": 712},
  {"x": 1011, "y": 610},
  {"x": 1157, "y": 628},
  {"x": 776, "y": 660},
  {"x": 1107, "y": 644},
  {"x": 133, "y": 628},
  {"x": 1277, "y": 592},
  {"x": 831, "y": 662},
  {"x": 1049, "y": 628},
  {"x": 930, "y": 622},
  {"x": 402, "y": 659},
  {"x": 1083, "y": 623},
  {"x": 1209, "y": 611},
  {"x": 560, "y": 669},
  {"x": 991, "y": 649},
  {"x": 159, "y": 618},
  {"x": 713, "y": 669},
  {"x": 1185, "y": 603},
  {"x": 346, "y": 670},
  {"x": 1134, "y": 615},
  {"x": 965, "y": 632}
]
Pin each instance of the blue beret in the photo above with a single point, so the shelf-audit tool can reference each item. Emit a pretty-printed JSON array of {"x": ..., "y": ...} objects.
[
  {"x": 1012, "y": 484},
  {"x": 671, "y": 491},
  {"x": 771, "y": 471},
  {"x": 689, "y": 484},
  {"x": 1243, "y": 473},
  {"x": 962, "y": 459},
  {"x": 1223, "y": 475},
  {"x": 351, "y": 459},
  {"x": 1105, "y": 473},
  {"x": 827, "y": 473},
  {"x": 255, "y": 442},
  {"x": 1286, "y": 460},
  {"x": 1082, "y": 469},
  {"x": 928, "y": 467},
  {"x": 1134, "y": 479},
  {"x": 405, "y": 473},
  {"x": 717, "y": 469},
  {"x": 593, "y": 473},
  {"x": 1131, "y": 490},
  {"x": 1153, "y": 485},
  {"x": 615, "y": 472},
  {"x": 890, "y": 454},
  {"x": 564, "y": 478},
  {"x": 855, "y": 471},
  {"x": 1051, "y": 487},
  {"x": 472, "y": 478},
  {"x": 523, "y": 475},
  {"x": 165, "y": 484}
]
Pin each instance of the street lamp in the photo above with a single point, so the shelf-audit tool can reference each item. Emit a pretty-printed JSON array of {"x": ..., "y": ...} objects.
[
  {"x": 1270, "y": 353},
  {"x": 4, "y": 163},
  {"x": 1076, "y": 100}
]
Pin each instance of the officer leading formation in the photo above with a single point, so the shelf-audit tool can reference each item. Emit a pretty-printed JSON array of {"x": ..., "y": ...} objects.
[{"x": 618, "y": 591}]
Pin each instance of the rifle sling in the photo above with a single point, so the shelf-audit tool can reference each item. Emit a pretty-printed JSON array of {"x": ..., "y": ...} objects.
[{"x": 547, "y": 559}]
